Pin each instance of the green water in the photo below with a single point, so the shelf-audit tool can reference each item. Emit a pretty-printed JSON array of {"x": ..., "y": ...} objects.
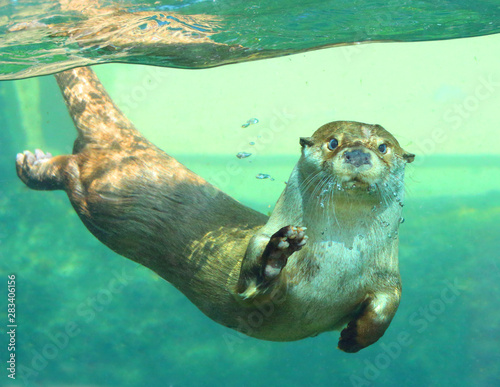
[
  {"x": 440, "y": 99},
  {"x": 47, "y": 36},
  {"x": 149, "y": 334}
]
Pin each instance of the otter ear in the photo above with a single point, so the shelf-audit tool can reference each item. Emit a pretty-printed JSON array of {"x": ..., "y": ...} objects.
[
  {"x": 409, "y": 157},
  {"x": 306, "y": 141}
]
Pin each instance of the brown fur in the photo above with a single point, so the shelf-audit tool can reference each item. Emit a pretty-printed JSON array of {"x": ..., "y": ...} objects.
[{"x": 242, "y": 272}]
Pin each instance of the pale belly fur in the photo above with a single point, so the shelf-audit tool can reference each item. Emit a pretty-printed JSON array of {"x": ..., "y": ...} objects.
[{"x": 327, "y": 300}]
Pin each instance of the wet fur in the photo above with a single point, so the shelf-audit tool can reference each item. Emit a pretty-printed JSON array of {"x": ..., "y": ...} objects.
[
  {"x": 146, "y": 206},
  {"x": 351, "y": 254}
]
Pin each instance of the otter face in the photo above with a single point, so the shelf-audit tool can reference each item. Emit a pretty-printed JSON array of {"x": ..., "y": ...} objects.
[{"x": 356, "y": 155}]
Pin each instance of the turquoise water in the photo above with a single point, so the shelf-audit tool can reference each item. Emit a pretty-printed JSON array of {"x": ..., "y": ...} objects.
[
  {"x": 441, "y": 101},
  {"x": 46, "y": 36}
]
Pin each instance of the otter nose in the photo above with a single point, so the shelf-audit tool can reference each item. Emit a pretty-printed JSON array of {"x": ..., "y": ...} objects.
[{"x": 357, "y": 157}]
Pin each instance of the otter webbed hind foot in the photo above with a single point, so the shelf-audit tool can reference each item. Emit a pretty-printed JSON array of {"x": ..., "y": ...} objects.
[
  {"x": 266, "y": 258},
  {"x": 41, "y": 171}
]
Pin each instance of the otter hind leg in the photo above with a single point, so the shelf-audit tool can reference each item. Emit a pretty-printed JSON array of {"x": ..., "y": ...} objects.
[
  {"x": 41, "y": 171},
  {"x": 375, "y": 315},
  {"x": 265, "y": 259}
]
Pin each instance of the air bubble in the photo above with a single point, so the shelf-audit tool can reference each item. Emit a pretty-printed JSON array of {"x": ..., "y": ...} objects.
[
  {"x": 250, "y": 122},
  {"x": 243, "y": 155},
  {"x": 264, "y": 176}
]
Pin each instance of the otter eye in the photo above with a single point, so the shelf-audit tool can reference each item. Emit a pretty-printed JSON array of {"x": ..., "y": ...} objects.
[
  {"x": 382, "y": 148},
  {"x": 333, "y": 144}
]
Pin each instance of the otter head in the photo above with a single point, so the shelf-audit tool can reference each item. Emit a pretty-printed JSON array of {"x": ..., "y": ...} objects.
[{"x": 355, "y": 156}]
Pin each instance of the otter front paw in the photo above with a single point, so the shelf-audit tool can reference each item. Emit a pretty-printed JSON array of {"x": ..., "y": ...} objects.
[
  {"x": 348, "y": 341},
  {"x": 282, "y": 244},
  {"x": 375, "y": 315},
  {"x": 264, "y": 260}
]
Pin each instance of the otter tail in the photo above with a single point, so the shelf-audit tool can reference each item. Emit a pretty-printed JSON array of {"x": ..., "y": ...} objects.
[{"x": 98, "y": 120}]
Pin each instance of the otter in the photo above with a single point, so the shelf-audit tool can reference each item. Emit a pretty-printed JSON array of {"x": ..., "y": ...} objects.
[{"x": 326, "y": 258}]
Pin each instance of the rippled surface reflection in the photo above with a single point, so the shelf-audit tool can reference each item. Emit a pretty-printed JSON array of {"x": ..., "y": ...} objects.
[{"x": 43, "y": 37}]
